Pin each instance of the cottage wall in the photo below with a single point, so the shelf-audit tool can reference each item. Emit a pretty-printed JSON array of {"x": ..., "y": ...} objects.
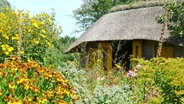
[
  {"x": 178, "y": 51},
  {"x": 148, "y": 48},
  {"x": 86, "y": 51}
]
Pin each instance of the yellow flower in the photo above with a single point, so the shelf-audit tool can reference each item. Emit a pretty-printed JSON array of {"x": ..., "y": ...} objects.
[
  {"x": 49, "y": 44},
  {"x": 22, "y": 52},
  {"x": 7, "y": 53},
  {"x": 50, "y": 94},
  {"x": 19, "y": 80},
  {"x": 10, "y": 102},
  {"x": 16, "y": 101},
  {"x": 48, "y": 19},
  {"x": 11, "y": 85},
  {"x": 66, "y": 92},
  {"x": 13, "y": 38},
  {"x": 117, "y": 66},
  {"x": 27, "y": 100},
  {"x": 29, "y": 31},
  {"x": 1, "y": 92},
  {"x": 42, "y": 100},
  {"x": 36, "y": 42},
  {"x": 3, "y": 48},
  {"x": 35, "y": 25},
  {"x": 10, "y": 49},
  {"x": 43, "y": 31},
  {"x": 42, "y": 23},
  {"x": 13, "y": 58},
  {"x": 2, "y": 45},
  {"x": 15, "y": 68},
  {"x": 25, "y": 85},
  {"x": 17, "y": 35},
  {"x": 5, "y": 36},
  {"x": 43, "y": 36},
  {"x": 34, "y": 89},
  {"x": 44, "y": 59}
]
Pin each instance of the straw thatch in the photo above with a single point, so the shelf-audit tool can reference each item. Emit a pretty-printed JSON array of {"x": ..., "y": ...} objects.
[
  {"x": 142, "y": 4},
  {"x": 124, "y": 25}
]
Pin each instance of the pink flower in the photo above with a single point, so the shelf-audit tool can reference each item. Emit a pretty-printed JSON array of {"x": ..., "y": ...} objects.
[{"x": 131, "y": 73}]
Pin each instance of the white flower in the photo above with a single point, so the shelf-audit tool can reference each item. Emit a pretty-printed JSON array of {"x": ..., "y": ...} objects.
[{"x": 85, "y": 99}]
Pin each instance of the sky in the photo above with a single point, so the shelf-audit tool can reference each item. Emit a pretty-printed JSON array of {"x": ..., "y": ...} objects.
[{"x": 62, "y": 8}]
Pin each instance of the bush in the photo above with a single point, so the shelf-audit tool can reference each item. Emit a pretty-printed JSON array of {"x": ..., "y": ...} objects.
[
  {"x": 94, "y": 87},
  {"x": 29, "y": 83},
  {"x": 56, "y": 56},
  {"x": 38, "y": 34},
  {"x": 161, "y": 77}
]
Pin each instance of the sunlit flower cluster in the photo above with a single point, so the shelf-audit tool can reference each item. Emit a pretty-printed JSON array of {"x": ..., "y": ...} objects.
[
  {"x": 38, "y": 34},
  {"x": 6, "y": 49},
  {"x": 28, "y": 83}
]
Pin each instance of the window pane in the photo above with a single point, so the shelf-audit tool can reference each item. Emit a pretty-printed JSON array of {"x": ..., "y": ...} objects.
[
  {"x": 137, "y": 52},
  {"x": 105, "y": 56}
]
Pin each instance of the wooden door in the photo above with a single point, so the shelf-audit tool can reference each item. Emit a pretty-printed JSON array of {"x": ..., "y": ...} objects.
[
  {"x": 167, "y": 51},
  {"x": 106, "y": 50}
]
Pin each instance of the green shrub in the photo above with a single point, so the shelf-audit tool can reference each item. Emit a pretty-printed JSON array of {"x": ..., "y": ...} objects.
[
  {"x": 94, "y": 87},
  {"x": 161, "y": 77}
]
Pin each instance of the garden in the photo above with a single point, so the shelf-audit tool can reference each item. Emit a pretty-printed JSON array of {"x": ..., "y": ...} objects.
[{"x": 35, "y": 70}]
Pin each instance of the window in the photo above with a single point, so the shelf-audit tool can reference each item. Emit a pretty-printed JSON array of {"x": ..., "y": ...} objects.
[
  {"x": 105, "y": 57},
  {"x": 137, "y": 51}
]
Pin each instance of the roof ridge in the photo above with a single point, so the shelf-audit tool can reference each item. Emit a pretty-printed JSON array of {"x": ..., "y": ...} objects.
[{"x": 141, "y": 4}]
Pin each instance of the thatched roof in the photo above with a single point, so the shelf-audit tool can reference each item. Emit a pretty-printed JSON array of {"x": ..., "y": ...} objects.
[
  {"x": 142, "y": 4},
  {"x": 124, "y": 25}
]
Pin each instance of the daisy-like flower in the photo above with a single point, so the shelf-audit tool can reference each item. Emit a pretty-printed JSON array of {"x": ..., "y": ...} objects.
[
  {"x": 35, "y": 25},
  {"x": 11, "y": 86}
]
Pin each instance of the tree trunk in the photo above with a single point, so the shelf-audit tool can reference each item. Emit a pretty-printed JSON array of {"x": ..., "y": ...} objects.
[{"x": 164, "y": 27}]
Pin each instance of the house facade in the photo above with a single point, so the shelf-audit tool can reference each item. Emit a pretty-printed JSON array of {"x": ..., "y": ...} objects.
[{"x": 119, "y": 36}]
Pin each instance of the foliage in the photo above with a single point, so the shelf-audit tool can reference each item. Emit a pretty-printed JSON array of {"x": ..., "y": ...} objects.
[
  {"x": 112, "y": 95},
  {"x": 94, "y": 87},
  {"x": 176, "y": 20},
  {"x": 56, "y": 55},
  {"x": 91, "y": 10},
  {"x": 39, "y": 32},
  {"x": 175, "y": 14},
  {"x": 29, "y": 83},
  {"x": 4, "y": 3},
  {"x": 63, "y": 43},
  {"x": 161, "y": 79}
]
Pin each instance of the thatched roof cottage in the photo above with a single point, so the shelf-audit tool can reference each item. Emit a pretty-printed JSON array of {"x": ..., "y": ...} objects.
[{"x": 125, "y": 33}]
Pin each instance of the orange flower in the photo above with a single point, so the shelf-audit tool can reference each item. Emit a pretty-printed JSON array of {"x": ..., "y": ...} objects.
[
  {"x": 25, "y": 85},
  {"x": 1, "y": 92},
  {"x": 50, "y": 94},
  {"x": 11, "y": 86},
  {"x": 27, "y": 100},
  {"x": 19, "y": 80},
  {"x": 44, "y": 94},
  {"x": 34, "y": 88},
  {"x": 14, "y": 68},
  {"x": 42, "y": 100}
]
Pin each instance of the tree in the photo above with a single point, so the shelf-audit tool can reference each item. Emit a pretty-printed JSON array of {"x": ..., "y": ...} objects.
[
  {"x": 4, "y": 3},
  {"x": 176, "y": 19},
  {"x": 173, "y": 18},
  {"x": 91, "y": 10},
  {"x": 56, "y": 56}
]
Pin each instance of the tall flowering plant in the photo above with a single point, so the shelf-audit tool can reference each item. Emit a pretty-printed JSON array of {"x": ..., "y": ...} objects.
[{"x": 38, "y": 34}]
